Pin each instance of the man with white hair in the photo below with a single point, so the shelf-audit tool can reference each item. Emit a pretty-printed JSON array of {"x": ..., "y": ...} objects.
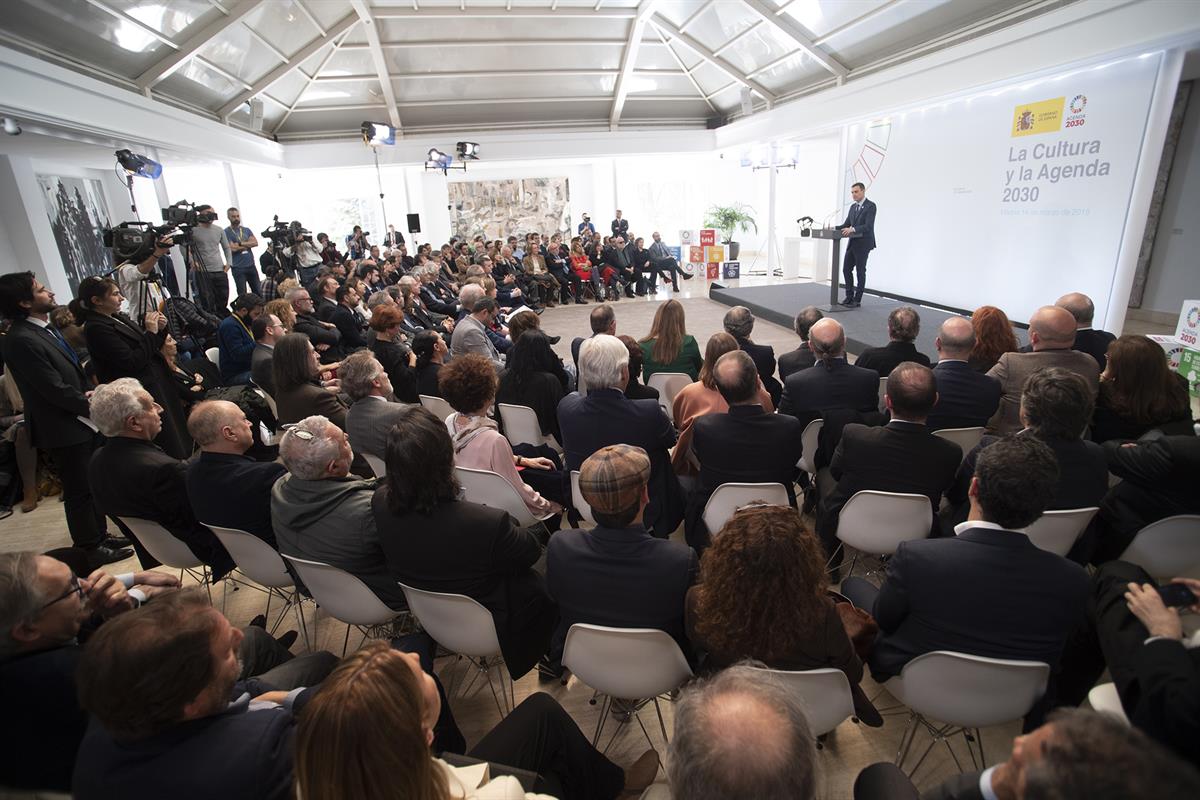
[
  {"x": 131, "y": 476},
  {"x": 323, "y": 513},
  {"x": 605, "y": 416},
  {"x": 372, "y": 412}
]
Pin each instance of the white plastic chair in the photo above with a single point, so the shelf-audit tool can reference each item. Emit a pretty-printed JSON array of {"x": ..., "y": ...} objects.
[
  {"x": 668, "y": 384},
  {"x": 521, "y": 426},
  {"x": 1057, "y": 531},
  {"x": 577, "y": 500},
  {"x": 809, "y": 441},
  {"x": 463, "y": 626},
  {"x": 491, "y": 489},
  {"x": 965, "y": 438},
  {"x": 825, "y": 694},
  {"x": 168, "y": 549},
  {"x": 1104, "y": 697},
  {"x": 440, "y": 408},
  {"x": 260, "y": 562},
  {"x": 344, "y": 596},
  {"x": 877, "y": 522},
  {"x": 376, "y": 464},
  {"x": 1169, "y": 548},
  {"x": 965, "y": 693},
  {"x": 213, "y": 354},
  {"x": 729, "y": 497},
  {"x": 632, "y": 664}
]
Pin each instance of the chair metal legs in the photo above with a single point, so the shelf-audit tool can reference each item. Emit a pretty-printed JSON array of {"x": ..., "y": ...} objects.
[
  {"x": 631, "y": 713},
  {"x": 941, "y": 734}
]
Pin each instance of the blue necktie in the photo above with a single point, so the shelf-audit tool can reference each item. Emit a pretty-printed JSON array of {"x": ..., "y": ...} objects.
[{"x": 62, "y": 343}]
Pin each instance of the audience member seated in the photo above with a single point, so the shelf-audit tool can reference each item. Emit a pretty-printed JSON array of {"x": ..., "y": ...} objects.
[
  {"x": 326, "y": 303},
  {"x": 702, "y": 397},
  {"x": 469, "y": 386},
  {"x": 635, "y": 389},
  {"x": 299, "y": 393},
  {"x": 398, "y": 360},
  {"x": 1076, "y": 753},
  {"x": 832, "y": 383},
  {"x": 131, "y": 476},
  {"x": 741, "y": 735},
  {"x": 431, "y": 351},
  {"x": 267, "y": 330},
  {"x": 46, "y": 614},
  {"x": 802, "y": 357},
  {"x": 604, "y": 416},
  {"x": 742, "y": 443},
  {"x": 371, "y": 413},
  {"x": 225, "y": 487},
  {"x": 966, "y": 397},
  {"x": 1087, "y": 339},
  {"x": 739, "y": 323},
  {"x": 602, "y": 319},
  {"x": 534, "y": 378},
  {"x": 668, "y": 347},
  {"x": 1140, "y": 392},
  {"x": 235, "y": 341},
  {"x": 1051, "y": 333},
  {"x": 1158, "y": 480},
  {"x": 348, "y": 320},
  {"x": 993, "y": 338},
  {"x": 323, "y": 513},
  {"x": 283, "y": 311},
  {"x": 617, "y": 574},
  {"x": 169, "y": 689},
  {"x": 904, "y": 325},
  {"x": 432, "y": 540},
  {"x": 781, "y": 617},
  {"x": 1055, "y": 406},
  {"x": 470, "y": 334},
  {"x": 341, "y": 756},
  {"x": 325, "y": 337},
  {"x": 988, "y": 591}
]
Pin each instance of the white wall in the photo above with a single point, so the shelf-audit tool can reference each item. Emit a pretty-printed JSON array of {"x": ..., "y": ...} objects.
[{"x": 1174, "y": 274}]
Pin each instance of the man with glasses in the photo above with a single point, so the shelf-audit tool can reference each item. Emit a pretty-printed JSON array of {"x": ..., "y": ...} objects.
[{"x": 267, "y": 329}]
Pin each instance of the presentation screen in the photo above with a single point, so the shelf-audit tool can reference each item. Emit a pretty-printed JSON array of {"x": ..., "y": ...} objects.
[{"x": 1009, "y": 197}]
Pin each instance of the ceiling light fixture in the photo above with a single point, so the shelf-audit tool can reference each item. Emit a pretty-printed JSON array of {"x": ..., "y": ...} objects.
[{"x": 12, "y": 127}]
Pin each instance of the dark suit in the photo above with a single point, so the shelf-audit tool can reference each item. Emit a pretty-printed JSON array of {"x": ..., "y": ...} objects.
[
  {"x": 39, "y": 689},
  {"x": 809, "y": 392},
  {"x": 318, "y": 334},
  {"x": 350, "y": 325},
  {"x": 606, "y": 416},
  {"x": 135, "y": 478},
  {"x": 800, "y": 358},
  {"x": 394, "y": 360},
  {"x": 763, "y": 356},
  {"x": 622, "y": 578},
  {"x": 959, "y": 787},
  {"x": 307, "y": 399},
  {"x": 966, "y": 398},
  {"x": 52, "y": 384},
  {"x": 234, "y": 492},
  {"x": 1095, "y": 343},
  {"x": 464, "y": 548},
  {"x": 368, "y": 422},
  {"x": 262, "y": 361},
  {"x": 885, "y": 359},
  {"x": 989, "y": 593},
  {"x": 620, "y": 227},
  {"x": 862, "y": 219},
  {"x": 323, "y": 308}
]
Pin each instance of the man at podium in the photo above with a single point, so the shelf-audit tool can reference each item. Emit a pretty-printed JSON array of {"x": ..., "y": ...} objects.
[{"x": 860, "y": 225}]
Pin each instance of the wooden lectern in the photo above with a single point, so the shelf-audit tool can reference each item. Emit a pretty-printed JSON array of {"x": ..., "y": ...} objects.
[{"x": 834, "y": 235}]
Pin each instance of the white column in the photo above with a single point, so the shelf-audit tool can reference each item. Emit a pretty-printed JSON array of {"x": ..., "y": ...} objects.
[{"x": 772, "y": 255}]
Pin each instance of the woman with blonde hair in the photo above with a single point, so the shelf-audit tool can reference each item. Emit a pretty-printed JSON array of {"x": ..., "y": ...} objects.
[
  {"x": 668, "y": 347},
  {"x": 283, "y": 310}
]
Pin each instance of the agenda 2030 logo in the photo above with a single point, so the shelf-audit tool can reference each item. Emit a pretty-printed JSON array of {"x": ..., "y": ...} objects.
[{"x": 1076, "y": 106}]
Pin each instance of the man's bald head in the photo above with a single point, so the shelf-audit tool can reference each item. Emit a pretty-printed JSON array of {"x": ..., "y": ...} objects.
[
  {"x": 209, "y": 418},
  {"x": 740, "y": 735},
  {"x": 736, "y": 378},
  {"x": 1051, "y": 328},
  {"x": 956, "y": 339},
  {"x": 1081, "y": 307},
  {"x": 826, "y": 338}
]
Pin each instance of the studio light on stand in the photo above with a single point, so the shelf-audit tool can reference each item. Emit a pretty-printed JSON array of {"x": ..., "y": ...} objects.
[
  {"x": 375, "y": 134},
  {"x": 468, "y": 151},
  {"x": 437, "y": 160},
  {"x": 133, "y": 164}
]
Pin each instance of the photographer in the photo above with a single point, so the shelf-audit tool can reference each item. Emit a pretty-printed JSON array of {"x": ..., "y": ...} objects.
[
  {"x": 329, "y": 252},
  {"x": 139, "y": 283},
  {"x": 210, "y": 257},
  {"x": 308, "y": 257},
  {"x": 357, "y": 243}
]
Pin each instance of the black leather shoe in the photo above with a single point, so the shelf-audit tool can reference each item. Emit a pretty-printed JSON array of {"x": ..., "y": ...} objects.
[
  {"x": 259, "y": 622},
  {"x": 847, "y": 300},
  {"x": 687, "y": 277},
  {"x": 116, "y": 542},
  {"x": 288, "y": 639},
  {"x": 554, "y": 339},
  {"x": 99, "y": 556},
  {"x": 853, "y": 304}
]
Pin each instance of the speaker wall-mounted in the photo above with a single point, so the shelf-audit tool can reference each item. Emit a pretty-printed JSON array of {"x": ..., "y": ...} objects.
[
  {"x": 747, "y": 101},
  {"x": 256, "y": 114},
  {"x": 414, "y": 223}
]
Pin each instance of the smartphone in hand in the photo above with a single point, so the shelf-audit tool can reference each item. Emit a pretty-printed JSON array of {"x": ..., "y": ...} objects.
[{"x": 1177, "y": 595}]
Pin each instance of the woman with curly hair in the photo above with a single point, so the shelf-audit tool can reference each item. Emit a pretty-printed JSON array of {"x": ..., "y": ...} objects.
[
  {"x": 1138, "y": 392},
  {"x": 993, "y": 338},
  {"x": 762, "y": 595},
  {"x": 284, "y": 311}
]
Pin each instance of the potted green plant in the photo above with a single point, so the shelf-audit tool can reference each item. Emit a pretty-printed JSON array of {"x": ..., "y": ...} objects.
[{"x": 728, "y": 220}]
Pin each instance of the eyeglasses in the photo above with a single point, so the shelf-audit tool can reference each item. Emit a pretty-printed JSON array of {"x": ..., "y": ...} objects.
[
  {"x": 760, "y": 504},
  {"x": 302, "y": 434},
  {"x": 75, "y": 588}
]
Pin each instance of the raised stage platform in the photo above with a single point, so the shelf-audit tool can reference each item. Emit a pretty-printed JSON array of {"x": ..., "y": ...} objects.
[{"x": 866, "y": 326}]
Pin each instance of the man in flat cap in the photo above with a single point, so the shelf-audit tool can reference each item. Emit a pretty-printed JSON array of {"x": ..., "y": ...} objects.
[{"x": 617, "y": 574}]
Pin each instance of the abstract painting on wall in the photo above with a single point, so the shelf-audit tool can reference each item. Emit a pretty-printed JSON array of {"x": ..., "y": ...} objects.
[
  {"x": 78, "y": 216},
  {"x": 495, "y": 209}
]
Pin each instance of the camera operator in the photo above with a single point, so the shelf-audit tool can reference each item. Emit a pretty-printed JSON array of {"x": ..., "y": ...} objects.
[
  {"x": 308, "y": 257},
  {"x": 329, "y": 252},
  {"x": 357, "y": 243},
  {"x": 210, "y": 256},
  {"x": 242, "y": 242},
  {"x": 140, "y": 285}
]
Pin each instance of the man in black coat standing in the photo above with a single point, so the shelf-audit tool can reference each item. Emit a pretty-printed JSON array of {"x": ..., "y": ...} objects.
[
  {"x": 52, "y": 383},
  {"x": 620, "y": 226},
  {"x": 860, "y": 227}
]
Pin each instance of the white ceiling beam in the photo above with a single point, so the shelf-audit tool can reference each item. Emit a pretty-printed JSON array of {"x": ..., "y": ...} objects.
[
  {"x": 309, "y": 80},
  {"x": 268, "y": 80},
  {"x": 385, "y": 82},
  {"x": 304, "y": 10},
  {"x": 729, "y": 69},
  {"x": 485, "y": 101},
  {"x": 493, "y": 73},
  {"x": 637, "y": 29},
  {"x": 737, "y": 37},
  {"x": 121, "y": 15},
  {"x": 280, "y": 56},
  {"x": 446, "y": 12},
  {"x": 687, "y": 23},
  {"x": 790, "y": 29},
  {"x": 854, "y": 23},
  {"x": 194, "y": 43},
  {"x": 687, "y": 71},
  {"x": 460, "y": 44}
]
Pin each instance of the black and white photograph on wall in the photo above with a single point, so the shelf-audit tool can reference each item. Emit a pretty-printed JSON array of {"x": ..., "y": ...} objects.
[{"x": 78, "y": 217}]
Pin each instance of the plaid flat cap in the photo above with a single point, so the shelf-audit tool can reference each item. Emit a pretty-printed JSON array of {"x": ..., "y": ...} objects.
[{"x": 611, "y": 479}]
